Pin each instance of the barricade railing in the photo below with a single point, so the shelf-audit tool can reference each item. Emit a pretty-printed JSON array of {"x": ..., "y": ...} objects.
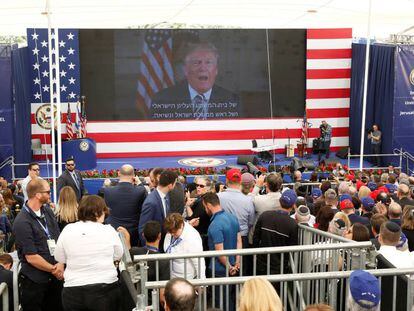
[
  {"x": 320, "y": 257},
  {"x": 4, "y": 292},
  {"x": 397, "y": 153},
  {"x": 336, "y": 293},
  {"x": 16, "y": 269}
]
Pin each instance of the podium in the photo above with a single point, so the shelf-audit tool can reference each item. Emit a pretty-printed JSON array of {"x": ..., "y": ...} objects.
[{"x": 83, "y": 150}]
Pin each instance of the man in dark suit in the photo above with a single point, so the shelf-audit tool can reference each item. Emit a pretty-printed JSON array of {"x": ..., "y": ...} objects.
[
  {"x": 72, "y": 178},
  {"x": 125, "y": 202},
  {"x": 198, "y": 97},
  {"x": 6, "y": 276},
  {"x": 157, "y": 206}
]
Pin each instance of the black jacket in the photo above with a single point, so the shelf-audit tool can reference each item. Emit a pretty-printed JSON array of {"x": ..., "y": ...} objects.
[{"x": 66, "y": 180}]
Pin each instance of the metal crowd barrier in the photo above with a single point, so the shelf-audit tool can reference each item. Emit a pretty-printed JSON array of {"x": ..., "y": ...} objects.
[
  {"x": 319, "y": 257},
  {"x": 336, "y": 293},
  {"x": 4, "y": 292}
]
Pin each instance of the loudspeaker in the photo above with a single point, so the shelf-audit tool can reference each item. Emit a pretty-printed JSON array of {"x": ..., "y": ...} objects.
[
  {"x": 243, "y": 159},
  {"x": 309, "y": 165},
  {"x": 342, "y": 153},
  {"x": 316, "y": 145}
]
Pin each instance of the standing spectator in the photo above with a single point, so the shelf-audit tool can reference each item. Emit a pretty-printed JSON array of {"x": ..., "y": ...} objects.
[
  {"x": 247, "y": 183},
  {"x": 157, "y": 206},
  {"x": 6, "y": 276},
  {"x": 182, "y": 238},
  {"x": 233, "y": 201},
  {"x": 223, "y": 233},
  {"x": 154, "y": 176},
  {"x": 177, "y": 198},
  {"x": 259, "y": 295},
  {"x": 33, "y": 172},
  {"x": 180, "y": 295},
  {"x": 359, "y": 233},
  {"x": 152, "y": 235},
  {"x": 367, "y": 205},
  {"x": 376, "y": 221},
  {"x": 303, "y": 216},
  {"x": 375, "y": 137},
  {"x": 404, "y": 196},
  {"x": 276, "y": 228},
  {"x": 89, "y": 248},
  {"x": 125, "y": 202},
  {"x": 324, "y": 217},
  {"x": 347, "y": 207},
  {"x": 71, "y": 177},
  {"x": 408, "y": 225},
  {"x": 365, "y": 292},
  {"x": 196, "y": 213},
  {"x": 36, "y": 230},
  {"x": 395, "y": 213},
  {"x": 67, "y": 211},
  {"x": 331, "y": 199}
]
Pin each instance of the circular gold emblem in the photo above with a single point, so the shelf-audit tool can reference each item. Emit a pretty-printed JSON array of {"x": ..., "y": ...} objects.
[
  {"x": 43, "y": 116},
  {"x": 412, "y": 77},
  {"x": 84, "y": 145}
]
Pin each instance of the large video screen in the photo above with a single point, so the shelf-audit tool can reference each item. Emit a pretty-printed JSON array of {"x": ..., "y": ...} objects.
[{"x": 193, "y": 74}]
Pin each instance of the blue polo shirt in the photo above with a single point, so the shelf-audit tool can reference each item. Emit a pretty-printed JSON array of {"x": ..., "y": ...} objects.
[{"x": 223, "y": 229}]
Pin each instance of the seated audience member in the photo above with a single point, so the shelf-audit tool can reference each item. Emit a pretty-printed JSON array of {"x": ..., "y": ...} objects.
[
  {"x": 303, "y": 216},
  {"x": 89, "y": 248},
  {"x": 324, "y": 217},
  {"x": 395, "y": 213},
  {"x": 6, "y": 276},
  {"x": 319, "y": 307},
  {"x": 67, "y": 208},
  {"x": 259, "y": 295},
  {"x": 182, "y": 238},
  {"x": 180, "y": 295},
  {"x": 389, "y": 238},
  {"x": 376, "y": 221},
  {"x": 365, "y": 292},
  {"x": 152, "y": 234},
  {"x": 407, "y": 225},
  {"x": 348, "y": 208}
]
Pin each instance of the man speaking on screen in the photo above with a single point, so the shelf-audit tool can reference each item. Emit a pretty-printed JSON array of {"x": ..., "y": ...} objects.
[{"x": 198, "y": 97}]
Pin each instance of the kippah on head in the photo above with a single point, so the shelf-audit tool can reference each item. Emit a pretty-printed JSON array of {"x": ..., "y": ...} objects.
[
  {"x": 303, "y": 210},
  {"x": 392, "y": 226}
]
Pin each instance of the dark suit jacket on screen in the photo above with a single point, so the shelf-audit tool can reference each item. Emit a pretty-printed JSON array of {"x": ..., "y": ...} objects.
[{"x": 222, "y": 103}]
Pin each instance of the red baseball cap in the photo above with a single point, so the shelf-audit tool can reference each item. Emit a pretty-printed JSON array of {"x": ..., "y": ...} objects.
[
  {"x": 233, "y": 175},
  {"x": 345, "y": 204}
]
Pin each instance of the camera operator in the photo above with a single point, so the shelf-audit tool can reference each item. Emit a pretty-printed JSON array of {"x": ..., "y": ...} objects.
[
  {"x": 374, "y": 136},
  {"x": 325, "y": 137}
]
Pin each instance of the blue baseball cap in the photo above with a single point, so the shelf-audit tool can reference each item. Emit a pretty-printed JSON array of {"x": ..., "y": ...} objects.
[
  {"x": 364, "y": 288},
  {"x": 391, "y": 188},
  {"x": 368, "y": 203},
  {"x": 345, "y": 196},
  {"x": 288, "y": 198},
  {"x": 372, "y": 186},
  {"x": 316, "y": 193}
]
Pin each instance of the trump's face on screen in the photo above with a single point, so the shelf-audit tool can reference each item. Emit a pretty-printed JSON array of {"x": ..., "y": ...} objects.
[{"x": 201, "y": 70}]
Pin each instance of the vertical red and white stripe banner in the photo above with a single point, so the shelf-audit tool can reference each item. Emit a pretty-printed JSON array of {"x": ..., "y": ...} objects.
[{"x": 328, "y": 79}]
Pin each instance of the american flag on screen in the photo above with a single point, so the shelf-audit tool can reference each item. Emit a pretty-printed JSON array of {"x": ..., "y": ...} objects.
[
  {"x": 156, "y": 70},
  {"x": 69, "y": 75}
]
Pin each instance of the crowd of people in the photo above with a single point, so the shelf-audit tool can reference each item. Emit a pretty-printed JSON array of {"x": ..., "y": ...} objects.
[{"x": 69, "y": 250}]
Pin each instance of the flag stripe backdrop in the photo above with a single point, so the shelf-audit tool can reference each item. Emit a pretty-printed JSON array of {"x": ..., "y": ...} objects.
[{"x": 328, "y": 68}]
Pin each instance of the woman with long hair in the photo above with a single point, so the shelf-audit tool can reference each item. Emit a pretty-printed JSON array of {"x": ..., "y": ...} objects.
[
  {"x": 67, "y": 210},
  {"x": 259, "y": 295}
]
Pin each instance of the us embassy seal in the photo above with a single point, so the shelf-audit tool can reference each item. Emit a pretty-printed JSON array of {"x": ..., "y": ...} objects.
[
  {"x": 202, "y": 162},
  {"x": 43, "y": 116},
  {"x": 84, "y": 145},
  {"x": 411, "y": 77}
]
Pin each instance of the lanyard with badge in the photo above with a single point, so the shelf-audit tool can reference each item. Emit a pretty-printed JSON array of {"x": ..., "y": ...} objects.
[{"x": 51, "y": 243}]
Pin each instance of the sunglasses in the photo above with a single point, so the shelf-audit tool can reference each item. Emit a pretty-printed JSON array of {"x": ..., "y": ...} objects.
[
  {"x": 46, "y": 191},
  {"x": 36, "y": 169},
  {"x": 201, "y": 186},
  {"x": 70, "y": 164}
]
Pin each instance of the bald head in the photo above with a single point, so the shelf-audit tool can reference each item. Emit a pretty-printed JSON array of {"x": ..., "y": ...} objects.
[
  {"x": 394, "y": 211},
  {"x": 179, "y": 295},
  {"x": 126, "y": 173}
]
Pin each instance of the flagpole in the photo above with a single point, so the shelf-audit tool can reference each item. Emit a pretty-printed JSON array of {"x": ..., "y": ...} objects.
[
  {"x": 52, "y": 110},
  {"x": 364, "y": 99}
]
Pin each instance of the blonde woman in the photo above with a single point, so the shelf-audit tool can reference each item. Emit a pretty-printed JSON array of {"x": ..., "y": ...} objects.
[
  {"x": 67, "y": 210},
  {"x": 259, "y": 295}
]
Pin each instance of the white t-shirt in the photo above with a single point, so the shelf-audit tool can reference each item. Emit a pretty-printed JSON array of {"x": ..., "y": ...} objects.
[
  {"x": 399, "y": 259},
  {"x": 89, "y": 250}
]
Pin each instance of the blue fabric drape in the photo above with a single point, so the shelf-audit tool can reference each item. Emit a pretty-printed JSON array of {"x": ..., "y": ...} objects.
[
  {"x": 22, "y": 127},
  {"x": 380, "y": 96}
]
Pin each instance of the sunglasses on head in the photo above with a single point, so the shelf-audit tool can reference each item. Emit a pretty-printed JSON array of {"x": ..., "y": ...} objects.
[{"x": 201, "y": 186}]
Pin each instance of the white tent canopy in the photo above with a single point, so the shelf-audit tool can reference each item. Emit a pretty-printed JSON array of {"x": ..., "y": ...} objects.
[{"x": 388, "y": 17}]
